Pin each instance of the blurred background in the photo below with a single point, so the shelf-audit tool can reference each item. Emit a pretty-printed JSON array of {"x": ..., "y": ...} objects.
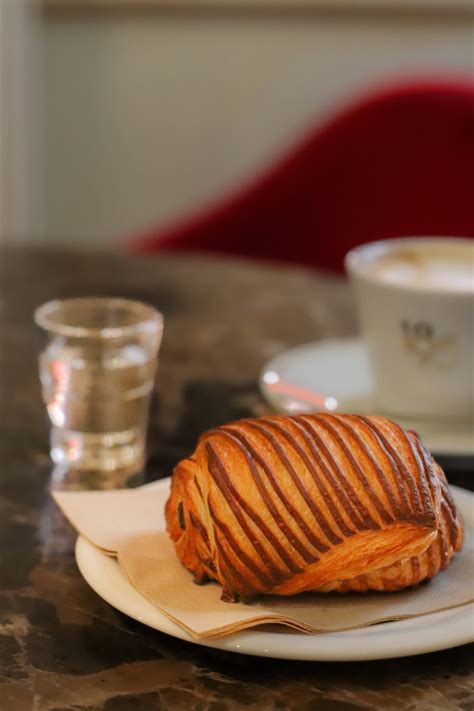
[{"x": 118, "y": 115}]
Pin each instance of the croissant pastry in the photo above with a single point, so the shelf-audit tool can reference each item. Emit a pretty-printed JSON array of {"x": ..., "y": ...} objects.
[{"x": 282, "y": 505}]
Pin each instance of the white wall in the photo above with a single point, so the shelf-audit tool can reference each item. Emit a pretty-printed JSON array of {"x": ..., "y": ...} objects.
[
  {"x": 148, "y": 116},
  {"x": 20, "y": 123}
]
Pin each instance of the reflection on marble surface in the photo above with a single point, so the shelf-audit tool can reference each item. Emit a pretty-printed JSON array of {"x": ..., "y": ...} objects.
[{"x": 61, "y": 647}]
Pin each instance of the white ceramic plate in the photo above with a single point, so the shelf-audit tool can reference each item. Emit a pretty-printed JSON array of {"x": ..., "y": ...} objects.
[
  {"x": 334, "y": 376},
  {"x": 429, "y": 633}
]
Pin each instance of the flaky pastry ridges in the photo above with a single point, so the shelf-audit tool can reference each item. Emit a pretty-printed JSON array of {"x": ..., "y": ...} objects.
[
  {"x": 416, "y": 569},
  {"x": 405, "y": 494}
]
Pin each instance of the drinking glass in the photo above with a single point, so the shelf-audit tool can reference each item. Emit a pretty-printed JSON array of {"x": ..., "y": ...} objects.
[{"x": 97, "y": 368}]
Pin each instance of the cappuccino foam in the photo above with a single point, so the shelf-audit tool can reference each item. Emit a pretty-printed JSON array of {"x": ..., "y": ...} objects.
[{"x": 444, "y": 266}]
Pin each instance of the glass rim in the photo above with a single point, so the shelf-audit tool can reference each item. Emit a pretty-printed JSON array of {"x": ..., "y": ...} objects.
[{"x": 43, "y": 317}]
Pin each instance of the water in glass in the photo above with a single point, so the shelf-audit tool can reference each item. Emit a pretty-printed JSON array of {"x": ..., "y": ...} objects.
[{"x": 97, "y": 392}]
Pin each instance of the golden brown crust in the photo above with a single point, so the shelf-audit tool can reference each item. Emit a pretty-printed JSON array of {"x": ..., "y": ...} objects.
[{"x": 313, "y": 502}]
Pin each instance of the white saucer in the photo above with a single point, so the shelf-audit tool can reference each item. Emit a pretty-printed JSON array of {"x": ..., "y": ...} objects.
[
  {"x": 429, "y": 633},
  {"x": 334, "y": 375}
]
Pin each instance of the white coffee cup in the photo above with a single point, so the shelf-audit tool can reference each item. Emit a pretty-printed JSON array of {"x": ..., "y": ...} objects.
[{"x": 415, "y": 300}]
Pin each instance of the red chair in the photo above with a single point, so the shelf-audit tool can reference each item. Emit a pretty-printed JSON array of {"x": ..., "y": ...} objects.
[{"x": 399, "y": 162}]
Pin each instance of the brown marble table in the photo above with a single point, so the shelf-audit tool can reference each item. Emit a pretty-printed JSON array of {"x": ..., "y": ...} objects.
[{"x": 61, "y": 646}]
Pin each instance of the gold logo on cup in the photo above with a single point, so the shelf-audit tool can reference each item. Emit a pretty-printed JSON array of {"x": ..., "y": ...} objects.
[{"x": 421, "y": 340}]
